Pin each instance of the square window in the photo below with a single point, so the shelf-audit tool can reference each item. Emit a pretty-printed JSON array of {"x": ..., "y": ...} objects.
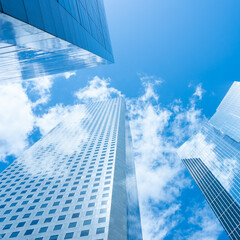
[
  {"x": 68, "y": 235},
  {"x": 39, "y": 213},
  {"x": 27, "y": 215},
  {"x": 12, "y": 218},
  {"x": 62, "y": 217},
  {"x": 100, "y": 230},
  {"x": 8, "y": 226},
  {"x": 52, "y": 211},
  {"x": 101, "y": 220},
  {"x": 89, "y": 213},
  {"x": 21, "y": 224},
  {"x": 84, "y": 233},
  {"x": 93, "y": 197},
  {"x": 104, "y": 203},
  {"x": 103, "y": 210},
  {"x": 34, "y": 222},
  {"x": 72, "y": 225},
  {"x": 75, "y": 215},
  {"x": 78, "y": 206},
  {"x": 58, "y": 227},
  {"x": 53, "y": 237},
  {"x": 87, "y": 222},
  {"x": 65, "y": 209},
  {"x": 14, "y": 234},
  {"x": 47, "y": 220},
  {"x": 28, "y": 232},
  {"x": 43, "y": 229},
  {"x": 91, "y": 204}
]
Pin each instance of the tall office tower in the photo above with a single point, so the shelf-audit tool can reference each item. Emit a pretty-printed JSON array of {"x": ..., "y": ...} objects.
[
  {"x": 212, "y": 157},
  {"x": 40, "y": 37},
  {"x": 77, "y": 182}
]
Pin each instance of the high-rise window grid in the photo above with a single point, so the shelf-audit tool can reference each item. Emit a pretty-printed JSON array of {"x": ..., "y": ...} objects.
[{"x": 56, "y": 190}]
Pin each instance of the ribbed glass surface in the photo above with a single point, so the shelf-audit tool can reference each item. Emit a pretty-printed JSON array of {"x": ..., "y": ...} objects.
[
  {"x": 227, "y": 116},
  {"x": 212, "y": 156},
  {"x": 72, "y": 183},
  {"x": 49, "y": 37},
  {"x": 224, "y": 206}
]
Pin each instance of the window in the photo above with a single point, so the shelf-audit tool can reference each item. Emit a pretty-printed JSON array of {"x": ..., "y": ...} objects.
[
  {"x": 14, "y": 234},
  {"x": 68, "y": 235},
  {"x": 103, "y": 210},
  {"x": 39, "y": 213},
  {"x": 89, "y": 213},
  {"x": 27, "y": 215},
  {"x": 72, "y": 225},
  {"x": 101, "y": 220},
  {"x": 8, "y": 226},
  {"x": 34, "y": 222},
  {"x": 12, "y": 218},
  {"x": 47, "y": 220},
  {"x": 54, "y": 237},
  {"x": 28, "y": 232},
  {"x": 78, "y": 206},
  {"x": 75, "y": 215},
  {"x": 52, "y": 211},
  {"x": 87, "y": 222},
  {"x": 65, "y": 209},
  {"x": 43, "y": 229},
  {"x": 21, "y": 224},
  {"x": 62, "y": 217},
  {"x": 84, "y": 233},
  {"x": 58, "y": 227},
  {"x": 100, "y": 230}
]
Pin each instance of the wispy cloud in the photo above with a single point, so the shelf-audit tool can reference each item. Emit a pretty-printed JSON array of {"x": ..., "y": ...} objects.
[
  {"x": 97, "y": 89},
  {"x": 204, "y": 219},
  {"x": 69, "y": 74},
  {"x": 157, "y": 132},
  {"x": 199, "y": 91},
  {"x": 16, "y": 119}
]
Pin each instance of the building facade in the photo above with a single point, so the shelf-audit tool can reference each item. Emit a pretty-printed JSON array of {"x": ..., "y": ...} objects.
[
  {"x": 41, "y": 37},
  {"x": 77, "y": 182},
  {"x": 212, "y": 157}
]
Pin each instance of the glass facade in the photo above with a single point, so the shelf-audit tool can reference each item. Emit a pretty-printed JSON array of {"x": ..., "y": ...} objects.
[
  {"x": 49, "y": 37},
  {"x": 77, "y": 182},
  {"x": 212, "y": 157}
]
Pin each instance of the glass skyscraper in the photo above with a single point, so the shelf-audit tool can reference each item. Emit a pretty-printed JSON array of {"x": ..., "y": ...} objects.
[
  {"x": 77, "y": 182},
  {"x": 212, "y": 157},
  {"x": 40, "y": 37}
]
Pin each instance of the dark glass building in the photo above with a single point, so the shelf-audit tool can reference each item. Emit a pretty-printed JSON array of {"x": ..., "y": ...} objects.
[
  {"x": 212, "y": 157},
  {"x": 40, "y": 37},
  {"x": 77, "y": 182}
]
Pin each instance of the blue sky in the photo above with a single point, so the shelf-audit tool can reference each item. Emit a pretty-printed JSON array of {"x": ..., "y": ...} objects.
[{"x": 174, "y": 62}]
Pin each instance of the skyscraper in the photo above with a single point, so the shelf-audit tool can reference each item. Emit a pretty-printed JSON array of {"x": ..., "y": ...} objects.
[
  {"x": 212, "y": 157},
  {"x": 77, "y": 182},
  {"x": 41, "y": 37}
]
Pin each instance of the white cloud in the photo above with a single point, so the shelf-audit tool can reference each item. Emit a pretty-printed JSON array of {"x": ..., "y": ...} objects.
[
  {"x": 204, "y": 219},
  {"x": 16, "y": 119},
  {"x": 97, "y": 89},
  {"x": 157, "y": 133},
  {"x": 55, "y": 115},
  {"x": 199, "y": 91},
  {"x": 41, "y": 88},
  {"x": 69, "y": 74}
]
